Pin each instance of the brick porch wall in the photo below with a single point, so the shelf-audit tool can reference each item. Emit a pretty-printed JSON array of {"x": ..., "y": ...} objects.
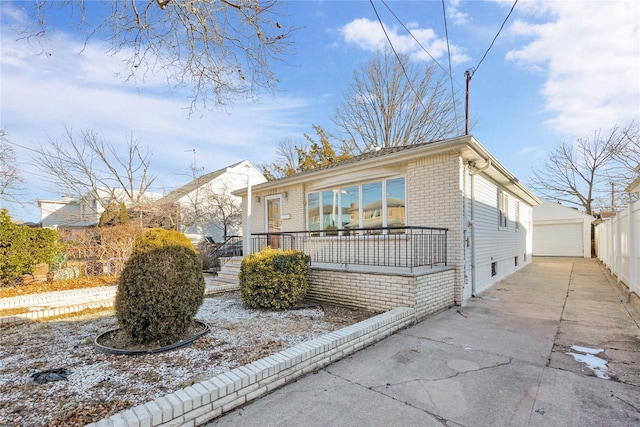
[{"x": 427, "y": 291}]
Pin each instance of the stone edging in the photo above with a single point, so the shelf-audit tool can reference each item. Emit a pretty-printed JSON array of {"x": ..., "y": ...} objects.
[
  {"x": 65, "y": 302},
  {"x": 71, "y": 296},
  {"x": 206, "y": 400},
  {"x": 56, "y": 303}
]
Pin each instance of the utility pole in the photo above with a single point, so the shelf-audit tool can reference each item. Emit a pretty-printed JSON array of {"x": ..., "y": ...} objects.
[
  {"x": 613, "y": 200},
  {"x": 468, "y": 74}
]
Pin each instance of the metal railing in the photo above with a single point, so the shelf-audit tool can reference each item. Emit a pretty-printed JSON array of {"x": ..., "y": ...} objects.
[
  {"x": 409, "y": 246},
  {"x": 232, "y": 246}
]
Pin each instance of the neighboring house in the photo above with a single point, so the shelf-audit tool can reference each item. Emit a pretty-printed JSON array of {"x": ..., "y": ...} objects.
[
  {"x": 634, "y": 187},
  {"x": 69, "y": 212},
  {"x": 561, "y": 231},
  {"x": 460, "y": 222},
  {"x": 205, "y": 204}
]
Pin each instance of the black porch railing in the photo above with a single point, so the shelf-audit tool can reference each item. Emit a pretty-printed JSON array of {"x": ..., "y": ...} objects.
[
  {"x": 221, "y": 252},
  {"x": 384, "y": 246}
]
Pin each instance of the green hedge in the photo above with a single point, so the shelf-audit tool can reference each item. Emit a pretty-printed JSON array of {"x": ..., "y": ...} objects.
[
  {"x": 157, "y": 238},
  {"x": 159, "y": 293},
  {"x": 22, "y": 248},
  {"x": 274, "y": 279}
]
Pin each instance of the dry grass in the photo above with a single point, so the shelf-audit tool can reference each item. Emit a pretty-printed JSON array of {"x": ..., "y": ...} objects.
[
  {"x": 58, "y": 285},
  {"x": 100, "y": 385}
]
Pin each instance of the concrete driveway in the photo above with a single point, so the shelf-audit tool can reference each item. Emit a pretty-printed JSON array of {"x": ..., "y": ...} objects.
[{"x": 554, "y": 344}]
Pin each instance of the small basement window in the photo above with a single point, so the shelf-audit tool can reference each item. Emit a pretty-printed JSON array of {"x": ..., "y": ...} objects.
[
  {"x": 516, "y": 261},
  {"x": 494, "y": 269}
]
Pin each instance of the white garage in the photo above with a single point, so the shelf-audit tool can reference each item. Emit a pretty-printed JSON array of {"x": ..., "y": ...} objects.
[{"x": 561, "y": 231}]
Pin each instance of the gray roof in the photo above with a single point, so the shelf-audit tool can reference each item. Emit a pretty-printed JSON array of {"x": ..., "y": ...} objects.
[
  {"x": 365, "y": 156},
  {"x": 186, "y": 189}
]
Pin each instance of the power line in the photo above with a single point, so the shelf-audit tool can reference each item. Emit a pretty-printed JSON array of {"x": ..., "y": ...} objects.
[
  {"x": 404, "y": 71},
  {"x": 453, "y": 95},
  {"x": 473, "y": 70},
  {"x": 418, "y": 42}
]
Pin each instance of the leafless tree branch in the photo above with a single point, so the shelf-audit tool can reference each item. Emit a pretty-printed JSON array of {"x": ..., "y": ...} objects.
[
  {"x": 220, "y": 50},
  {"x": 89, "y": 166},
  {"x": 10, "y": 179},
  {"x": 381, "y": 108},
  {"x": 582, "y": 174}
]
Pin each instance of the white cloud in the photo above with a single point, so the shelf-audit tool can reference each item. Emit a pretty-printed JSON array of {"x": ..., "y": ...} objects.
[
  {"x": 531, "y": 152},
  {"x": 590, "y": 54},
  {"x": 78, "y": 88},
  {"x": 456, "y": 15},
  {"x": 368, "y": 35}
]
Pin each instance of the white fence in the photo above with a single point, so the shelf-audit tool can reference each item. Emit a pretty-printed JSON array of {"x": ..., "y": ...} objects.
[{"x": 618, "y": 245}]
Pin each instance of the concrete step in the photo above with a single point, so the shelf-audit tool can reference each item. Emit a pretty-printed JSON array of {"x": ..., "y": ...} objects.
[
  {"x": 230, "y": 268},
  {"x": 228, "y": 275}
]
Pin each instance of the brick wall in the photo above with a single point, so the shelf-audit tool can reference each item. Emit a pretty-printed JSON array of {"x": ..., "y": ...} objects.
[
  {"x": 206, "y": 400},
  {"x": 434, "y": 198},
  {"x": 427, "y": 291}
]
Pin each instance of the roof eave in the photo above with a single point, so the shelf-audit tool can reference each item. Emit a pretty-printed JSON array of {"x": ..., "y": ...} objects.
[{"x": 466, "y": 146}]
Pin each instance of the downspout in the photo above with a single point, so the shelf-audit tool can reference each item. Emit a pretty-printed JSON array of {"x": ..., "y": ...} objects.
[
  {"x": 473, "y": 174},
  {"x": 465, "y": 228}
]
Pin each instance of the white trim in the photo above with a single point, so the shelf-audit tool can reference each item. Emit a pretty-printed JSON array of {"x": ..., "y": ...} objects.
[{"x": 266, "y": 210}]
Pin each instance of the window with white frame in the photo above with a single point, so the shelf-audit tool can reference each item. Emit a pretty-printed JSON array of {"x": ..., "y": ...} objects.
[
  {"x": 517, "y": 215},
  {"x": 366, "y": 205},
  {"x": 503, "y": 208}
]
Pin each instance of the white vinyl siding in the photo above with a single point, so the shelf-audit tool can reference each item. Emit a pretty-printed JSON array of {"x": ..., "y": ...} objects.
[{"x": 501, "y": 244}]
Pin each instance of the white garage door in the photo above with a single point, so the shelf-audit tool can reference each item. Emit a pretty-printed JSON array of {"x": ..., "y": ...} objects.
[{"x": 558, "y": 240}]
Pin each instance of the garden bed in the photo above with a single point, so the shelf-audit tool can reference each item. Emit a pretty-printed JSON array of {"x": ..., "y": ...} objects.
[{"x": 98, "y": 385}]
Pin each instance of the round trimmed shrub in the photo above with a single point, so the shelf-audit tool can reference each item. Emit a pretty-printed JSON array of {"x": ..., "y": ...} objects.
[
  {"x": 159, "y": 293},
  {"x": 274, "y": 279},
  {"x": 159, "y": 237}
]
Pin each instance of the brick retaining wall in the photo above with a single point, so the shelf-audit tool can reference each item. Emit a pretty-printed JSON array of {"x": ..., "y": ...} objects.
[
  {"x": 426, "y": 290},
  {"x": 206, "y": 400}
]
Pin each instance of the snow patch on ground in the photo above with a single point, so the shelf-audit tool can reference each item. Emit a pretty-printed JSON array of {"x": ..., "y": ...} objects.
[
  {"x": 588, "y": 356},
  {"x": 99, "y": 385}
]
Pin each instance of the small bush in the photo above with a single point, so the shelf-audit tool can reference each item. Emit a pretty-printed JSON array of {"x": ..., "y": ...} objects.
[
  {"x": 159, "y": 293},
  {"x": 114, "y": 214},
  {"x": 159, "y": 237},
  {"x": 22, "y": 248},
  {"x": 274, "y": 279},
  {"x": 204, "y": 250}
]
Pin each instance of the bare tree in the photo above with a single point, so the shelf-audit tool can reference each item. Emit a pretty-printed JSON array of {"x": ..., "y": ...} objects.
[
  {"x": 628, "y": 155},
  {"x": 226, "y": 211},
  {"x": 10, "y": 180},
  {"x": 211, "y": 205},
  {"x": 391, "y": 102},
  {"x": 91, "y": 168},
  {"x": 308, "y": 155},
  {"x": 582, "y": 174},
  {"x": 286, "y": 160},
  {"x": 218, "y": 49}
]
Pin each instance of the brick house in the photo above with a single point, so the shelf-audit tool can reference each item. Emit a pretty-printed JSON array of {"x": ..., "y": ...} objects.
[{"x": 425, "y": 226}]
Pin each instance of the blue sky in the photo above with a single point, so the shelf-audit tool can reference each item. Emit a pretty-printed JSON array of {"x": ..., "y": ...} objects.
[{"x": 558, "y": 71}]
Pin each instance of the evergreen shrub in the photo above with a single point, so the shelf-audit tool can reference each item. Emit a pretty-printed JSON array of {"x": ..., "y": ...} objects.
[
  {"x": 156, "y": 238},
  {"x": 274, "y": 279},
  {"x": 159, "y": 292},
  {"x": 22, "y": 248}
]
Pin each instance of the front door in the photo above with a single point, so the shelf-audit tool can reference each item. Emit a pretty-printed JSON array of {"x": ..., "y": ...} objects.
[{"x": 273, "y": 221}]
